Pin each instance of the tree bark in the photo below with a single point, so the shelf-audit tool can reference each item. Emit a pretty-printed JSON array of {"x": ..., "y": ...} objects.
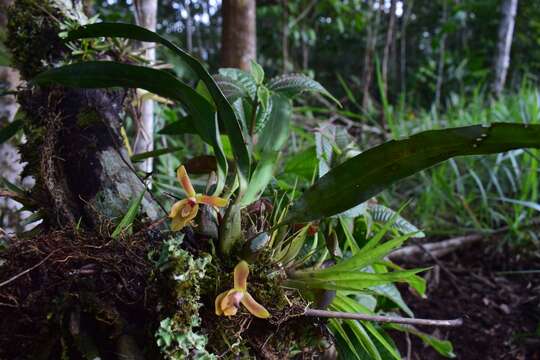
[
  {"x": 387, "y": 45},
  {"x": 440, "y": 66},
  {"x": 83, "y": 174},
  {"x": 506, "y": 32},
  {"x": 146, "y": 15},
  {"x": 371, "y": 42},
  {"x": 88, "y": 7},
  {"x": 239, "y": 34}
]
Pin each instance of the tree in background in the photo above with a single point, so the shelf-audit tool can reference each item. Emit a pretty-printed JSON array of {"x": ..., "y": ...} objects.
[
  {"x": 506, "y": 33},
  {"x": 146, "y": 16},
  {"x": 239, "y": 34}
]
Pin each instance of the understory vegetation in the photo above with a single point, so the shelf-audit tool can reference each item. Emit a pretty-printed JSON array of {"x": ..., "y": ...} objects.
[{"x": 271, "y": 218}]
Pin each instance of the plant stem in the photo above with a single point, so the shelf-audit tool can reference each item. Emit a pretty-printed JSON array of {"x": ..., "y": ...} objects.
[
  {"x": 382, "y": 319},
  {"x": 253, "y": 115}
]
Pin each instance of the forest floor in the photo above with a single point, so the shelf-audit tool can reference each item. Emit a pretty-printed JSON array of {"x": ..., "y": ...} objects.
[{"x": 500, "y": 308}]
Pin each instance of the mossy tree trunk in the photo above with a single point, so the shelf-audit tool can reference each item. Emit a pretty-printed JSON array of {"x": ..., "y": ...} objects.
[
  {"x": 83, "y": 174},
  {"x": 88, "y": 292}
]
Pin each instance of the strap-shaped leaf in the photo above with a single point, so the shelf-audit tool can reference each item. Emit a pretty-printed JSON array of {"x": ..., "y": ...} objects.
[
  {"x": 294, "y": 84},
  {"x": 8, "y": 131},
  {"x": 104, "y": 74},
  {"x": 129, "y": 217},
  {"x": 365, "y": 175},
  {"x": 225, "y": 111}
]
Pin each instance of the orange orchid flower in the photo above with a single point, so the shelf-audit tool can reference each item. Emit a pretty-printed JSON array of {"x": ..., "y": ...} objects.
[
  {"x": 183, "y": 211},
  {"x": 228, "y": 302}
]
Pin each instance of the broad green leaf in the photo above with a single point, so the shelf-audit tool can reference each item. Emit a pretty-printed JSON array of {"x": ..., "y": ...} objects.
[
  {"x": 271, "y": 140},
  {"x": 179, "y": 127},
  {"x": 231, "y": 88},
  {"x": 365, "y": 175},
  {"x": 257, "y": 72},
  {"x": 226, "y": 113},
  {"x": 261, "y": 177},
  {"x": 243, "y": 79},
  {"x": 292, "y": 85},
  {"x": 302, "y": 163},
  {"x": 275, "y": 133},
  {"x": 103, "y": 74},
  {"x": 127, "y": 221},
  {"x": 154, "y": 153},
  {"x": 264, "y": 110},
  {"x": 391, "y": 292},
  {"x": 8, "y": 131}
]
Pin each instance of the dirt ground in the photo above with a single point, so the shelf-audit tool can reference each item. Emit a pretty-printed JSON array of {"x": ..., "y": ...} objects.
[{"x": 501, "y": 308}]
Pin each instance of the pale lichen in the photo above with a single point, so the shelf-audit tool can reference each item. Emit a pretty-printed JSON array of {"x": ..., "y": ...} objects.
[{"x": 177, "y": 336}]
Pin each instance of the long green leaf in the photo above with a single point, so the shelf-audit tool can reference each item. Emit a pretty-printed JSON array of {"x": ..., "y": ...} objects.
[
  {"x": 225, "y": 110},
  {"x": 129, "y": 217},
  {"x": 7, "y": 132},
  {"x": 364, "y": 176},
  {"x": 104, "y": 74}
]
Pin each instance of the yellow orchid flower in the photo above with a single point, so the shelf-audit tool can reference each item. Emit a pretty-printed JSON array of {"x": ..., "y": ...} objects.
[
  {"x": 183, "y": 211},
  {"x": 228, "y": 302}
]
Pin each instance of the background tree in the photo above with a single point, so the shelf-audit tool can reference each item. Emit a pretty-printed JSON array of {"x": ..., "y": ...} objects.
[
  {"x": 146, "y": 16},
  {"x": 506, "y": 33},
  {"x": 239, "y": 34}
]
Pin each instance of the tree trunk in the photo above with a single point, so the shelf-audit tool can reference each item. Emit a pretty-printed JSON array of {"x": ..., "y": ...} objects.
[
  {"x": 387, "y": 45},
  {"x": 88, "y": 7},
  {"x": 440, "y": 66},
  {"x": 403, "y": 47},
  {"x": 371, "y": 44},
  {"x": 146, "y": 15},
  {"x": 506, "y": 32},
  {"x": 239, "y": 34},
  {"x": 74, "y": 151}
]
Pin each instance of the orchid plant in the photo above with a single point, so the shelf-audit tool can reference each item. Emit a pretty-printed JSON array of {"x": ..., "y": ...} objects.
[{"x": 340, "y": 265}]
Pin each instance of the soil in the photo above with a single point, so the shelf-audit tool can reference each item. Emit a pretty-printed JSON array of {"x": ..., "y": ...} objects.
[{"x": 500, "y": 308}]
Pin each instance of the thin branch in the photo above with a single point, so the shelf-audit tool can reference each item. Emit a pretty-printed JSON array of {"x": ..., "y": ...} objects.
[
  {"x": 382, "y": 319},
  {"x": 13, "y": 278}
]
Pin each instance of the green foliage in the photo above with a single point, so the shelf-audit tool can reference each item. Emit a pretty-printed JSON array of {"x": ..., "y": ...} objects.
[
  {"x": 226, "y": 113},
  {"x": 8, "y": 131},
  {"x": 127, "y": 221},
  {"x": 349, "y": 184}
]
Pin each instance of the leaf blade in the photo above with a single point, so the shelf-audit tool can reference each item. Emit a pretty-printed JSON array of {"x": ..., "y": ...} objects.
[{"x": 365, "y": 175}]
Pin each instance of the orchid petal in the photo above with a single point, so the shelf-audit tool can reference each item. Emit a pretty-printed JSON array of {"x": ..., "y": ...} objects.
[
  {"x": 177, "y": 207},
  {"x": 219, "y": 299},
  {"x": 179, "y": 221},
  {"x": 231, "y": 301},
  {"x": 183, "y": 179},
  {"x": 212, "y": 200},
  {"x": 254, "y": 307},
  {"x": 241, "y": 272}
]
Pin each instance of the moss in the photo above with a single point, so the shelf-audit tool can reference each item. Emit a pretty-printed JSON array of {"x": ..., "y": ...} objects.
[
  {"x": 33, "y": 36},
  {"x": 87, "y": 118}
]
